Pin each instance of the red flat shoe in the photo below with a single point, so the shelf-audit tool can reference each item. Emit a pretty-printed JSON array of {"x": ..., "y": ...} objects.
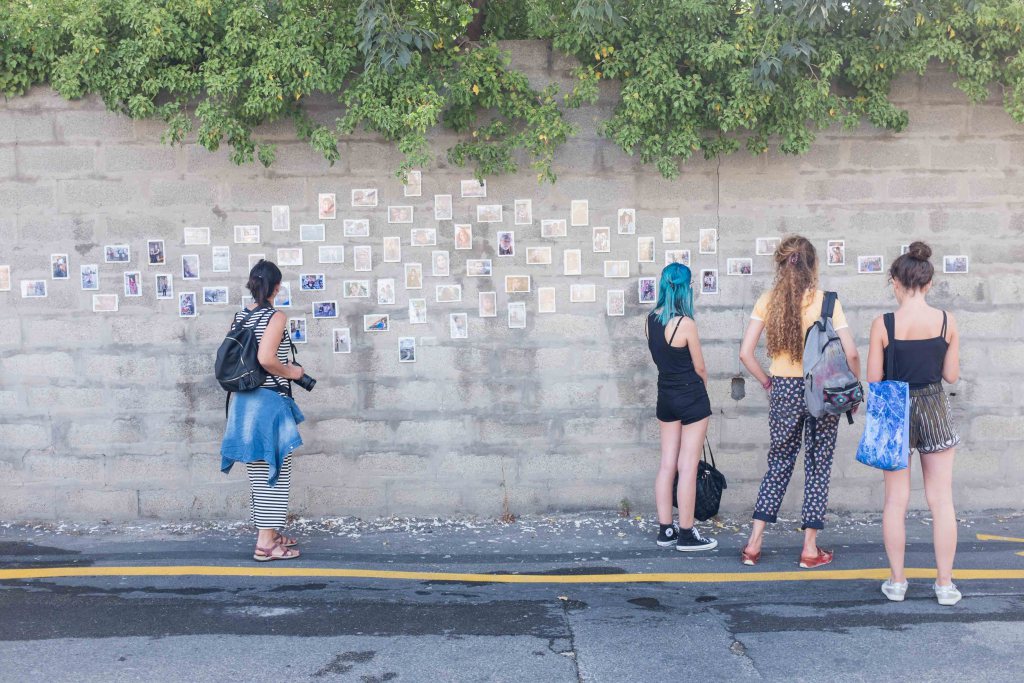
[
  {"x": 822, "y": 558},
  {"x": 749, "y": 559}
]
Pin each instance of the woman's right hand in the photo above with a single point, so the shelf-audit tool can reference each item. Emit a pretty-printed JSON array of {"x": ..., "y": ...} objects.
[{"x": 296, "y": 371}]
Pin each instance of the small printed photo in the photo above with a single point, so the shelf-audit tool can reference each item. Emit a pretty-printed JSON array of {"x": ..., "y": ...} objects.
[
  {"x": 602, "y": 240},
  {"x": 506, "y": 243},
  {"x": 413, "y": 184},
  {"x": 627, "y": 221},
  {"x": 553, "y": 227},
  {"x": 463, "y": 236},
  {"x": 196, "y": 235},
  {"x": 517, "y": 315},
  {"x": 297, "y": 330},
  {"x": 247, "y": 234},
  {"x": 488, "y": 304},
  {"x": 5, "y": 278},
  {"x": 440, "y": 264},
  {"x": 284, "y": 296},
  {"x": 386, "y": 291},
  {"x": 407, "y": 349},
  {"x": 488, "y": 213},
  {"x": 708, "y": 241},
  {"x": 677, "y": 256},
  {"x": 766, "y": 246},
  {"x": 364, "y": 197},
  {"x": 616, "y": 268},
  {"x": 458, "y": 325},
  {"x": 157, "y": 254},
  {"x": 355, "y": 289},
  {"x": 423, "y": 237},
  {"x": 342, "y": 339},
  {"x": 332, "y": 254},
  {"x": 582, "y": 293},
  {"x": 836, "y": 251},
  {"x": 443, "y": 207},
  {"x": 414, "y": 276},
  {"x": 392, "y": 249},
  {"x": 106, "y": 303},
  {"x": 538, "y": 256},
  {"x": 215, "y": 295},
  {"x": 325, "y": 309},
  {"x": 517, "y": 284},
  {"x": 355, "y": 227},
  {"x": 117, "y": 253},
  {"x": 869, "y": 264},
  {"x": 955, "y": 264},
  {"x": 221, "y": 261},
  {"x": 645, "y": 250},
  {"x": 615, "y": 302},
  {"x": 904, "y": 248},
  {"x": 572, "y": 262},
  {"x": 90, "y": 274},
  {"x": 133, "y": 283},
  {"x": 327, "y": 206},
  {"x": 311, "y": 282},
  {"x": 545, "y": 299},
  {"x": 280, "y": 218},
  {"x": 473, "y": 188},
  {"x": 256, "y": 258},
  {"x": 671, "y": 230},
  {"x": 289, "y": 256},
  {"x": 448, "y": 294},
  {"x": 523, "y": 209},
  {"x": 316, "y": 232},
  {"x": 33, "y": 289},
  {"x": 164, "y": 286},
  {"x": 647, "y": 290},
  {"x": 190, "y": 267},
  {"x": 187, "y": 305},
  {"x": 709, "y": 281},
  {"x": 579, "y": 212},
  {"x": 59, "y": 266},
  {"x": 739, "y": 266},
  {"x": 376, "y": 322},
  {"x": 417, "y": 311},
  {"x": 399, "y": 214},
  {"x": 362, "y": 258}
]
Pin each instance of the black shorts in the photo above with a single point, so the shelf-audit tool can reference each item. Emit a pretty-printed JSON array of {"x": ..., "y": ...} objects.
[{"x": 686, "y": 404}]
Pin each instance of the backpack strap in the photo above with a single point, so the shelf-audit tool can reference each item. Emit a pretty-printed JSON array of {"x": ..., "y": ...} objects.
[
  {"x": 944, "y": 321},
  {"x": 828, "y": 304},
  {"x": 890, "y": 350},
  {"x": 678, "y": 323}
]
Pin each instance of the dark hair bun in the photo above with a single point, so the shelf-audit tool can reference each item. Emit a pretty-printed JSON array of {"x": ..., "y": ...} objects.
[{"x": 919, "y": 251}]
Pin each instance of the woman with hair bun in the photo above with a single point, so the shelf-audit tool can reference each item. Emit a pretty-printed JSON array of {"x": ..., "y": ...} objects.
[
  {"x": 926, "y": 351},
  {"x": 786, "y": 312},
  {"x": 683, "y": 409}
]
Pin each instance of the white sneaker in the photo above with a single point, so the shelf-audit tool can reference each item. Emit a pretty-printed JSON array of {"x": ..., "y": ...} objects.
[
  {"x": 947, "y": 595},
  {"x": 895, "y": 591}
]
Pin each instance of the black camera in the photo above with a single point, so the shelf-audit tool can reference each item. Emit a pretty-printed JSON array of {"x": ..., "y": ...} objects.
[{"x": 306, "y": 382}]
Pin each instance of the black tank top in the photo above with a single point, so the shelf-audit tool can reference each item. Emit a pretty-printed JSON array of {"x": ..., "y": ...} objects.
[
  {"x": 675, "y": 364},
  {"x": 918, "y": 362}
]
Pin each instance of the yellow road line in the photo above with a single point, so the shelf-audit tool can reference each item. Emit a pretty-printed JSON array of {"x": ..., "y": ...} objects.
[
  {"x": 665, "y": 577},
  {"x": 989, "y": 537}
]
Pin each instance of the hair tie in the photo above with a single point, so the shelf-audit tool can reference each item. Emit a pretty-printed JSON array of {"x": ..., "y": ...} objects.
[{"x": 794, "y": 259}]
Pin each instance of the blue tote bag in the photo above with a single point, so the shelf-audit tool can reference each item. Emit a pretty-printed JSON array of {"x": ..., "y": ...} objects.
[{"x": 885, "y": 443}]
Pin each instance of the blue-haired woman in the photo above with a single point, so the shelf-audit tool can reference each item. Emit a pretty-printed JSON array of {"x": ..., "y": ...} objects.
[{"x": 683, "y": 406}]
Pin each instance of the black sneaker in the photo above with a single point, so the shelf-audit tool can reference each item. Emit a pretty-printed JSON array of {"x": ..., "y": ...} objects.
[
  {"x": 668, "y": 535},
  {"x": 692, "y": 541}
]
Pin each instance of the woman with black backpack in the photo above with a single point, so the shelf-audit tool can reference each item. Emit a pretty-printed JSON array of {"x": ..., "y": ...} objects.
[{"x": 262, "y": 429}]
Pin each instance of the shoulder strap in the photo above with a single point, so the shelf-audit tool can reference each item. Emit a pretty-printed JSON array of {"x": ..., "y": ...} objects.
[
  {"x": 943, "y": 333},
  {"x": 680, "y": 322},
  {"x": 245, "y": 318},
  {"x": 828, "y": 304},
  {"x": 890, "y": 349}
]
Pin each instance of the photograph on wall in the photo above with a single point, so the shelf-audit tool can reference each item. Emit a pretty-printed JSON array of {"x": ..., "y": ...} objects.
[
  {"x": 312, "y": 282},
  {"x": 90, "y": 274},
  {"x": 602, "y": 240},
  {"x": 190, "y": 267},
  {"x": 366, "y": 196},
  {"x": 362, "y": 258},
  {"x": 284, "y": 296},
  {"x": 616, "y": 268},
  {"x": 538, "y": 256},
  {"x": 399, "y": 214},
  {"x": 958, "y": 263},
  {"x": 647, "y": 290},
  {"x": 316, "y": 232},
  {"x": 904, "y": 248},
  {"x": 217, "y": 296},
  {"x": 194, "y": 236},
  {"x": 414, "y": 276},
  {"x": 417, "y": 311},
  {"x": 132, "y": 283},
  {"x": 487, "y": 306},
  {"x": 517, "y": 284},
  {"x": 256, "y": 258},
  {"x": 645, "y": 250},
  {"x": 423, "y": 237},
  {"x": 506, "y": 243},
  {"x": 488, "y": 213},
  {"x": 579, "y": 212},
  {"x": 677, "y": 256},
  {"x": 671, "y": 230},
  {"x": 117, "y": 253},
  {"x": 708, "y": 241},
  {"x": 355, "y": 227},
  {"x": 104, "y": 303},
  {"x": 59, "y": 267},
  {"x": 325, "y": 309},
  {"x": 331, "y": 254},
  {"x": 615, "y": 302},
  {"x": 376, "y": 322},
  {"x": 869, "y": 265},
  {"x": 5, "y": 278},
  {"x": 157, "y": 253},
  {"x": 443, "y": 207},
  {"x": 739, "y": 266},
  {"x": 473, "y": 188},
  {"x": 289, "y": 256},
  {"x": 221, "y": 260},
  {"x": 355, "y": 289},
  {"x": 392, "y": 249},
  {"x": 709, "y": 281},
  {"x": 572, "y": 262},
  {"x": 458, "y": 325},
  {"x": 341, "y": 340},
  {"x": 523, "y": 210},
  {"x": 297, "y": 330},
  {"x": 164, "y": 286},
  {"x": 187, "y": 305},
  {"x": 836, "y": 252},
  {"x": 553, "y": 227},
  {"x": 440, "y": 264},
  {"x": 247, "y": 234},
  {"x": 327, "y": 206},
  {"x": 407, "y": 349},
  {"x": 413, "y": 184},
  {"x": 386, "y": 291},
  {"x": 517, "y": 314},
  {"x": 463, "y": 236},
  {"x": 448, "y": 294},
  {"x": 766, "y": 246},
  {"x": 280, "y": 218},
  {"x": 581, "y": 293},
  {"x": 33, "y": 289},
  {"x": 627, "y": 221},
  {"x": 545, "y": 299}
]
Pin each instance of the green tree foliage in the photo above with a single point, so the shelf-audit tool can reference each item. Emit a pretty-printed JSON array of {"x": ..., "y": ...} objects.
[{"x": 693, "y": 76}]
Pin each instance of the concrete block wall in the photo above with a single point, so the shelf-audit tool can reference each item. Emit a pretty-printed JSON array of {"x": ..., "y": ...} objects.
[{"x": 116, "y": 416}]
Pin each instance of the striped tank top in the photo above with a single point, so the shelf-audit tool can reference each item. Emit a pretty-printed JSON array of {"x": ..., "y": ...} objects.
[{"x": 258, "y": 322}]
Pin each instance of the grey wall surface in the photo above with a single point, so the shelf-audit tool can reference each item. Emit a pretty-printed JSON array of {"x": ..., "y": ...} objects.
[{"x": 116, "y": 415}]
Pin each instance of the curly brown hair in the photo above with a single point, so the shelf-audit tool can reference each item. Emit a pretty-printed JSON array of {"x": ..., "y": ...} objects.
[{"x": 796, "y": 273}]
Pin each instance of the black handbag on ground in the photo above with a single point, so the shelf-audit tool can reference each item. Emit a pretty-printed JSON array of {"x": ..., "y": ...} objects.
[{"x": 710, "y": 484}]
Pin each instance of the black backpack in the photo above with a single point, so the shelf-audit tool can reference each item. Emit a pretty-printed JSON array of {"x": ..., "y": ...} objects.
[{"x": 238, "y": 366}]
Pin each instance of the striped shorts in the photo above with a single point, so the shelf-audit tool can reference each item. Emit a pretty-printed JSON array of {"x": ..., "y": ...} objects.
[
  {"x": 931, "y": 424},
  {"x": 269, "y": 504}
]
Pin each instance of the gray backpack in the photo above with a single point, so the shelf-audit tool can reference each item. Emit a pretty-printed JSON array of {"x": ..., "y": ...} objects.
[{"x": 830, "y": 387}]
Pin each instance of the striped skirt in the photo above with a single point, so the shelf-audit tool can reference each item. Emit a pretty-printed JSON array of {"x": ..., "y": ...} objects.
[
  {"x": 931, "y": 424},
  {"x": 269, "y": 503}
]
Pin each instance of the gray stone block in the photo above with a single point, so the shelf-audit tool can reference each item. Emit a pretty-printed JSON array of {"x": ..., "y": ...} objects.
[{"x": 93, "y": 125}]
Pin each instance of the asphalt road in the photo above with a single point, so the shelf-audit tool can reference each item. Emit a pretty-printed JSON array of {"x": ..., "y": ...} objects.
[{"x": 316, "y": 628}]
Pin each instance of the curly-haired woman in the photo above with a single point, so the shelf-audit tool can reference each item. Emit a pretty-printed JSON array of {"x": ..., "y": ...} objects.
[{"x": 785, "y": 313}]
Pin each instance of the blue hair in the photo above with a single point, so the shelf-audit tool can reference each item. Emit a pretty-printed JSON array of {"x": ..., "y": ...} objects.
[{"x": 675, "y": 293}]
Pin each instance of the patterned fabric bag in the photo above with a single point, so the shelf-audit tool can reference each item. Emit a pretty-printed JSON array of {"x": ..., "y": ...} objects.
[{"x": 885, "y": 443}]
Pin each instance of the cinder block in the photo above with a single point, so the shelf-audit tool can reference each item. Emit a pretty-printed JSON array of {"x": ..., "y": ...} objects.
[
  {"x": 50, "y": 467},
  {"x": 28, "y": 194},
  {"x": 91, "y": 434},
  {"x": 182, "y": 192},
  {"x": 107, "y": 369},
  {"x": 607, "y": 431},
  {"x": 945, "y": 188},
  {"x": 7, "y": 162},
  {"x": 841, "y": 189},
  {"x": 98, "y": 194},
  {"x": 886, "y": 154},
  {"x": 22, "y": 127},
  {"x": 997, "y": 428},
  {"x": 24, "y": 436},
  {"x": 202, "y": 503},
  {"x": 27, "y": 503},
  {"x": 966, "y": 155},
  {"x": 340, "y": 501},
  {"x": 36, "y": 365},
  {"x": 134, "y": 158},
  {"x": 50, "y": 161},
  {"x": 93, "y": 125},
  {"x": 97, "y": 504},
  {"x": 257, "y": 195}
]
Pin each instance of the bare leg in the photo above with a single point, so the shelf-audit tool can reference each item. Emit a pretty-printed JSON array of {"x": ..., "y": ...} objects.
[
  {"x": 753, "y": 546},
  {"x": 894, "y": 517},
  {"x": 691, "y": 441},
  {"x": 938, "y": 490},
  {"x": 810, "y": 543},
  {"x": 670, "y": 440}
]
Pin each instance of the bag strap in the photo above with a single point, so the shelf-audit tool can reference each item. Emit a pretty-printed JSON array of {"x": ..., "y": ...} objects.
[
  {"x": 245, "y": 319},
  {"x": 890, "y": 350},
  {"x": 828, "y": 304},
  {"x": 678, "y": 323},
  {"x": 944, "y": 321},
  {"x": 227, "y": 402},
  {"x": 706, "y": 451}
]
